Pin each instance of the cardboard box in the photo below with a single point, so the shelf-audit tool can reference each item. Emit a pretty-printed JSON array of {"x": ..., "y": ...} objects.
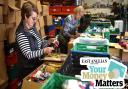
[
  {"x": 114, "y": 49},
  {"x": 5, "y": 7},
  {"x": 1, "y": 2},
  {"x": 51, "y": 67},
  {"x": 125, "y": 56},
  {"x": 8, "y": 3},
  {"x": 39, "y": 7},
  {"x": 45, "y": 10},
  {"x": 40, "y": 26},
  {"x": 12, "y": 35},
  {"x": 1, "y": 14},
  {"x": 126, "y": 34},
  {"x": 114, "y": 52},
  {"x": 2, "y": 32},
  {"x": 20, "y": 3},
  {"x": 33, "y": 1},
  {"x": 3, "y": 84},
  {"x": 42, "y": 32},
  {"x": 48, "y": 20},
  {"x": 41, "y": 21},
  {"x": 3, "y": 71},
  {"x": 11, "y": 15},
  {"x": 37, "y": 25},
  {"x": 45, "y": 3},
  {"x": 18, "y": 17},
  {"x": 10, "y": 32},
  {"x": 31, "y": 84}
]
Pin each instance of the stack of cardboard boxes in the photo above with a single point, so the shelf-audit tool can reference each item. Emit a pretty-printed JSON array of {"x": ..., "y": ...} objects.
[
  {"x": 40, "y": 21},
  {"x": 10, "y": 17},
  {"x": 3, "y": 73}
]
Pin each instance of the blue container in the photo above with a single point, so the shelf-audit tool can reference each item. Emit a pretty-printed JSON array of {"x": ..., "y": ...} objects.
[
  {"x": 78, "y": 54},
  {"x": 62, "y": 22},
  {"x": 94, "y": 54},
  {"x": 49, "y": 28}
]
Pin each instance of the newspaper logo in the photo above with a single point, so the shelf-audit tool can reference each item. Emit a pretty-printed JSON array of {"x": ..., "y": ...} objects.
[{"x": 104, "y": 72}]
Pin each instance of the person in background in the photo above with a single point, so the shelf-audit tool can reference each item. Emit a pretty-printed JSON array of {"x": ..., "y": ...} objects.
[
  {"x": 30, "y": 47},
  {"x": 84, "y": 23},
  {"x": 116, "y": 10},
  {"x": 70, "y": 28}
]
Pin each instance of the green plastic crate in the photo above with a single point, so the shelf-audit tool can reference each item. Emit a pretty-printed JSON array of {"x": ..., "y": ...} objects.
[
  {"x": 100, "y": 24},
  {"x": 115, "y": 31},
  {"x": 98, "y": 32},
  {"x": 90, "y": 48},
  {"x": 55, "y": 81},
  {"x": 92, "y": 32},
  {"x": 91, "y": 41},
  {"x": 107, "y": 35}
]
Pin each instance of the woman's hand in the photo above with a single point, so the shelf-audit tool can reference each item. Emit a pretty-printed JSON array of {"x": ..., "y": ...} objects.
[
  {"x": 48, "y": 50},
  {"x": 54, "y": 41},
  {"x": 77, "y": 35}
]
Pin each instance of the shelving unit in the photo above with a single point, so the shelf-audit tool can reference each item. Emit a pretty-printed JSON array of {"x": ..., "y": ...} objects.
[{"x": 60, "y": 8}]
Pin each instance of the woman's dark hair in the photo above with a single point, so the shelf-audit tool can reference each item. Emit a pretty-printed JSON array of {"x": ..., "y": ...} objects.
[{"x": 27, "y": 9}]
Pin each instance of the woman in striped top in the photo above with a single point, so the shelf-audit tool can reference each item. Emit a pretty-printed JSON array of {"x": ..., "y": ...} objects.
[{"x": 30, "y": 47}]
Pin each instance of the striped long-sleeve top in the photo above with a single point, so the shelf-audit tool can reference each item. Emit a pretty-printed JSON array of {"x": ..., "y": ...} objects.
[{"x": 26, "y": 46}]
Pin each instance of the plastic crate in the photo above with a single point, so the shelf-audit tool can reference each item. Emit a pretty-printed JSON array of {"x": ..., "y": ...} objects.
[
  {"x": 115, "y": 31},
  {"x": 90, "y": 48},
  {"x": 55, "y": 9},
  {"x": 57, "y": 23},
  {"x": 100, "y": 24},
  {"x": 49, "y": 28},
  {"x": 91, "y": 41},
  {"x": 76, "y": 54},
  {"x": 92, "y": 31},
  {"x": 67, "y": 9},
  {"x": 55, "y": 81},
  {"x": 71, "y": 67}
]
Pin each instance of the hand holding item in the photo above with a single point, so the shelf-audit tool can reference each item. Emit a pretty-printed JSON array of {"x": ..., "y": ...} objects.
[
  {"x": 56, "y": 43},
  {"x": 48, "y": 50}
]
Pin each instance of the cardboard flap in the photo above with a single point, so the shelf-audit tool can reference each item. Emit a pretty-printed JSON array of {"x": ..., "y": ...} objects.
[
  {"x": 13, "y": 7},
  {"x": 39, "y": 7}
]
